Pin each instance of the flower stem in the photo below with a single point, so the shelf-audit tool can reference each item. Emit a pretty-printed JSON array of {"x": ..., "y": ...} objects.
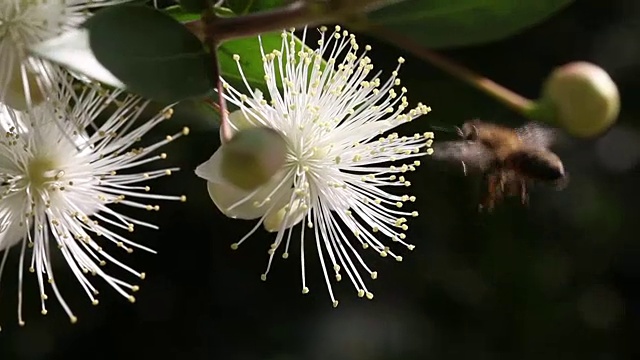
[
  {"x": 209, "y": 17},
  {"x": 292, "y": 15},
  {"x": 225, "y": 129},
  {"x": 509, "y": 98},
  {"x": 296, "y": 14}
]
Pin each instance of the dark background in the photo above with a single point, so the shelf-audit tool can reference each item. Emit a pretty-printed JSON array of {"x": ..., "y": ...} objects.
[{"x": 559, "y": 279}]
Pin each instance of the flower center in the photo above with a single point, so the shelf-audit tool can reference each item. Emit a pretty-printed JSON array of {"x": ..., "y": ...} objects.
[
  {"x": 5, "y": 27},
  {"x": 11, "y": 21},
  {"x": 310, "y": 157},
  {"x": 41, "y": 171}
]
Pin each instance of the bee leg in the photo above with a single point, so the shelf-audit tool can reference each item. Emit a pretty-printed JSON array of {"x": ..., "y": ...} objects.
[
  {"x": 489, "y": 201},
  {"x": 488, "y": 205},
  {"x": 491, "y": 205},
  {"x": 503, "y": 181},
  {"x": 459, "y": 132},
  {"x": 562, "y": 183},
  {"x": 524, "y": 196},
  {"x": 475, "y": 132},
  {"x": 464, "y": 168}
]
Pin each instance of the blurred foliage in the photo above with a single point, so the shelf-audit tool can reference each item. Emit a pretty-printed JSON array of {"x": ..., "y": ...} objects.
[
  {"x": 195, "y": 6},
  {"x": 445, "y": 23},
  {"x": 556, "y": 280},
  {"x": 248, "y": 6}
]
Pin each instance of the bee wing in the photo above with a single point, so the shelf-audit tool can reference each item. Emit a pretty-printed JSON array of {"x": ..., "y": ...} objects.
[
  {"x": 473, "y": 154},
  {"x": 537, "y": 135}
]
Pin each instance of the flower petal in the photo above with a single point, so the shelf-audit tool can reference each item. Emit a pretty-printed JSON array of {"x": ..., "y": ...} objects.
[
  {"x": 11, "y": 234},
  {"x": 292, "y": 214},
  {"x": 11, "y": 231},
  {"x": 240, "y": 121},
  {"x": 225, "y": 196},
  {"x": 210, "y": 170}
]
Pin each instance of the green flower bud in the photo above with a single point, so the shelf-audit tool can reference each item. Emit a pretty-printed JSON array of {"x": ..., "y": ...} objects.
[
  {"x": 252, "y": 157},
  {"x": 583, "y": 97}
]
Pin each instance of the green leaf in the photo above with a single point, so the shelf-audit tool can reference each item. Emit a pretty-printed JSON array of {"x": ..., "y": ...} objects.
[
  {"x": 182, "y": 15},
  {"x": 196, "y": 114},
  {"x": 451, "y": 23},
  {"x": 242, "y": 7},
  {"x": 193, "y": 6},
  {"x": 151, "y": 53},
  {"x": 250, "y": 59}
]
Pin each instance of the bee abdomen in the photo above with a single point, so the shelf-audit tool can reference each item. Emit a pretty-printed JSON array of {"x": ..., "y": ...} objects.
[{"x": 537, "y": 164}]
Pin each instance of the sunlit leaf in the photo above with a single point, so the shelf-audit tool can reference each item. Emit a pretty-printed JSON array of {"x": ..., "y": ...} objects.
[
  {"x": 183, "y": 15},
  {"x": 193, "y": 6},
  {"x": 249, "y": 6},
  {"x": 250, "y": 59}
]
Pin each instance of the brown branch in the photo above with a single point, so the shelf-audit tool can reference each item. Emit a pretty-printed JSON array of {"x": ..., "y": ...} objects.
[
  {"x": 296, "y": 14},
  {"x": 511, "y": 99}
]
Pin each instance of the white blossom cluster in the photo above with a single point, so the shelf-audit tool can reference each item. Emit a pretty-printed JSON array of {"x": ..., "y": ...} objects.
[{"x": 60, "y": 169}]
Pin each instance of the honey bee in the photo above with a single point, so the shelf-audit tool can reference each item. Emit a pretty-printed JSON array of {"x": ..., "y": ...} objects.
[{"x": 509, "y": 159}]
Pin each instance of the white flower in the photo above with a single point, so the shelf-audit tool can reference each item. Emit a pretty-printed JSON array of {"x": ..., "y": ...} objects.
[
  {"x": 24, "y": 23},
  {"x": 59, "y": 174},
  {"x": 337, "y": 162}
]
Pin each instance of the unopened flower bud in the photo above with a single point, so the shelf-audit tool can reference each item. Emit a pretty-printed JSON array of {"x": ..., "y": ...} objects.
[
  {"x": 253, "y": 156},
  {"x": 584, "y": 98}
]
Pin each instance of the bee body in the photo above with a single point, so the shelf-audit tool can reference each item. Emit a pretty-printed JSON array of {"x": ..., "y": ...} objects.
[{"x": 509, "y": 158}]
